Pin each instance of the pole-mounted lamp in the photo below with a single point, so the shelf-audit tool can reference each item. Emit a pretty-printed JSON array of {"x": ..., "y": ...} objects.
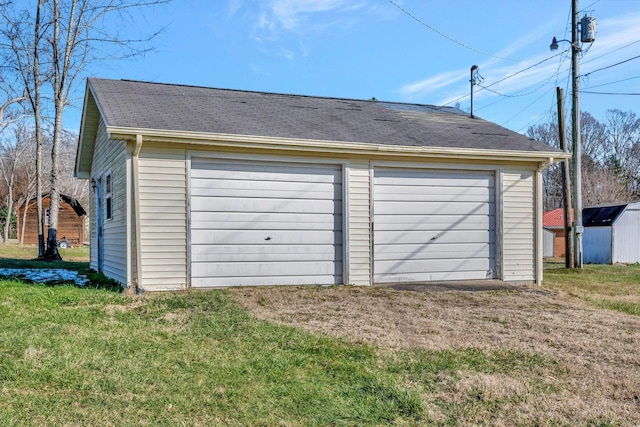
[{"x": 587, "y": 35}]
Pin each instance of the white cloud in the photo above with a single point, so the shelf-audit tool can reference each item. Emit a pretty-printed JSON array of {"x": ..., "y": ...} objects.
[
  {"x": 233, "y": 7},
  {"x": 431, "y": 84},
  {"x": 302, "y": 15}
]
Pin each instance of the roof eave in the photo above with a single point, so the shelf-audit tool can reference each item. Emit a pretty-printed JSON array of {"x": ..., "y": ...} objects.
[
  {"x": 311, "y": 145},
  {"x": 88, "y": 134}
]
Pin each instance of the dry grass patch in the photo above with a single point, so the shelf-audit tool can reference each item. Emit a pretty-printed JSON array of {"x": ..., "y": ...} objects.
[{"x": 584, "y": 365}]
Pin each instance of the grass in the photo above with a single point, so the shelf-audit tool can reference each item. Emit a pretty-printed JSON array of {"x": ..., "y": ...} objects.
[
  {"x": 614, "y": 287},
  {"x": 74, "y": 258},
  {"x": 72, "y": 356},
  {"x": 317, "y": 356}
]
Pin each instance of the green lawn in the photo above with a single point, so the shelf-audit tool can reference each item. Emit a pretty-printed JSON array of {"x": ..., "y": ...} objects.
[
  {"x": 615, "y": 287},
  {"x": 91, "y": 356}
]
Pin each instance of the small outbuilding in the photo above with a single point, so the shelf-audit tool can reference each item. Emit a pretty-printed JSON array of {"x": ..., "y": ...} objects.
[
  {"x": 71, "y": 221},
  {"x": 611, "y": 234},
  {"x": 197, "y": 187},
  {"x": 553, "y": 221}
]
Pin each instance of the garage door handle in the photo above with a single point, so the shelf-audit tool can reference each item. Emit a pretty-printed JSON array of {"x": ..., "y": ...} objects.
[{"x": 267, "y": 238}]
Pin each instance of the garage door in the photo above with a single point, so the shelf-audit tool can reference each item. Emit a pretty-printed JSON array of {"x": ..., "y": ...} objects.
[
  {"x": 433, "y": 225},
  {"x": 264, "y": 223}
]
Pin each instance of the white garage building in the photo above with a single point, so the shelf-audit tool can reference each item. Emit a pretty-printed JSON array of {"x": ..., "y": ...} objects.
[{"x": 201, "y": 187}]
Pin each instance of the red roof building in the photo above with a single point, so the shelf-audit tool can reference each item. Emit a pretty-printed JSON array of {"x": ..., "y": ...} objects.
[{"x": 554, "y": 220}]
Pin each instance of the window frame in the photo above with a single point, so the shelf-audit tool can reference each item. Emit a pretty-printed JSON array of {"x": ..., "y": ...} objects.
[{"x": 108, "y": 196}]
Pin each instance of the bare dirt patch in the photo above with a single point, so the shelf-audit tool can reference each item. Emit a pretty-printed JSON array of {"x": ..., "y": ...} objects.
[{"x": 597, "y": 350}]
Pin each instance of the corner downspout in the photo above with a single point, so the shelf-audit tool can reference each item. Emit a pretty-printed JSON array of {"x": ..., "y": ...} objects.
[
  {"x": 538, "y": 223},
  {"x": 136, "y": 214}
]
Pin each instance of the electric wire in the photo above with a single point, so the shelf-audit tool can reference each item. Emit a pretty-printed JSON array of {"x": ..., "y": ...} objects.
[
  {"x": 610, "y": 66},
  {"x": 610, "y": 93},
  {"x": 527, "y": 107},
  {"x": 440, "y": 33},
  {"x": 617, "y": 81},
  {"x": 510, "y": 75},
  {"x": 611, "y": 51}
]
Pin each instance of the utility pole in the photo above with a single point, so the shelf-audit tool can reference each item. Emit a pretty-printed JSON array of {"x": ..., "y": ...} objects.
[
  {"x": 566, "y": 183},
  {"x": 587, "y": 36},
  {"x": 575, "y": 131},
  {"x": 474, "y": 69}
]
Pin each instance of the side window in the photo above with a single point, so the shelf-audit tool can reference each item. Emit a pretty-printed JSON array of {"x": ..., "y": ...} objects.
[{"x": 107, "y": 197}]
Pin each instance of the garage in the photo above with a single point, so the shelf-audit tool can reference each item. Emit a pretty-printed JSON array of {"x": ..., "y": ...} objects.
[
  {"x": 432, "y": 225},
  {"x": 265, "y": 223}
]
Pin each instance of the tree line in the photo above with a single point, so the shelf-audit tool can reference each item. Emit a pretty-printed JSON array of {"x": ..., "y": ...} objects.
[
  {"x": 18, "y": 175},
  {"x": 46, "y": 46},
  {"x": 610, "y": 159}
]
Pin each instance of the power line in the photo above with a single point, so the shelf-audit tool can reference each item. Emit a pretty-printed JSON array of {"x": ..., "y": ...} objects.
[
  {"x": 525, "y": 108},
  {"x": 610, "y": 93},
  {"x": 510, "y": 75},
  {"x": 526, "y": 69},
  {"x": 617, "y": 81},
  {"x": 440, "y": 33},
  {"x": 612, "y": 51},
  {"x": 611, "y": 66}
]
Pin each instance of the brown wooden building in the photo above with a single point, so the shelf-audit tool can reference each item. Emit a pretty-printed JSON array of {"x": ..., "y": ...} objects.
[{"x": 71, "y": 222}]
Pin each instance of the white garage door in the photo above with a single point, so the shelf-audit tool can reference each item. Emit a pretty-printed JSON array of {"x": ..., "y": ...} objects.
[
  {"x": 264, "y": 223},
  {"x": 433, "y": 225}
]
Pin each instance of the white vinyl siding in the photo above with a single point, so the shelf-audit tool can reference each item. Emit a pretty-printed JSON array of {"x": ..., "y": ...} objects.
[
  {"x": 359, "y": 224},
  {"x": 163, "y": 217},
  {"x": 265, "y": 223},
  {"x": 433, "y": 225},
  {"x": 626, "y": 235},
  {"x": 109, "y": 157},
  {"x": 519, "y": 226}
]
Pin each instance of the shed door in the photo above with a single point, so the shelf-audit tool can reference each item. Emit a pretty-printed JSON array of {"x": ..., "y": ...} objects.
[
  {"x": 433, "y": 225},
  {"x": 264, "y": 223}
]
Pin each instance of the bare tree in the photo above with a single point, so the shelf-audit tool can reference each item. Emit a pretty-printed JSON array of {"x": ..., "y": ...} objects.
[
  {"x": 23, "y": 34},
  {"x": 623, "y": 132},
  {"x": 69, "y": 35},
  {"x": 11, "y": 154},
  {"x": 76, "y": 31},
  {"x": 552, "y": 176}
]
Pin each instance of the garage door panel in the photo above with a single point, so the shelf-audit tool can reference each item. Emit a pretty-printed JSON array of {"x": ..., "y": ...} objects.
[
  {"x": 262, "y": 205},
  {"x": 426, "y": 252},
  {"x": 431, "y": 238},
  {"x": 426, "y": 276},
  {"x": 433, "y": 225},
  {"x": 432, "y": 208},
  {"x": 420, "y": 222},
  {"x": 216, "y": 282},
  {"x": 267, "y": 194},
  {"x": 433, "y": 266},
  {"x": 272, "y": 269},
  {"x": 401, "y": 176},
  {"x": 262, "y": 172},
  {"x": 311, "y": 223},
  {"x": 267, "y": 238},
  {"x": 396, "y": 192},
  {"x": 200, "y": 185},
  {"x": 265, "y": 223},
  {"x": 238, "y": 253}
]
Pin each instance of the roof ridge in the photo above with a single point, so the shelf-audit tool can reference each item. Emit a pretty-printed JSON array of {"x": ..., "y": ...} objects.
[{"x": 279, "y": 93}]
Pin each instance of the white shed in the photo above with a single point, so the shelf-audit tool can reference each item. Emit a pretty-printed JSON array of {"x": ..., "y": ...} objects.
[
  {"x": 612, "y": 234},
  {"x": 198, "y": 187}
]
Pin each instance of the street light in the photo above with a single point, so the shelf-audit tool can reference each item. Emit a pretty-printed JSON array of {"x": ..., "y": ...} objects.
[{"x": 588, "y": 36}]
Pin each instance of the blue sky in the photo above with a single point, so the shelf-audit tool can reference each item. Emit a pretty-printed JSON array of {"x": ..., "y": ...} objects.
[{"x": 372, "y": 48}]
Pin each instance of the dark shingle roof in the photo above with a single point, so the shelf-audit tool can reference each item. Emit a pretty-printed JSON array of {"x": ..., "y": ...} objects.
[
  {"x": 601, "y": 216},
  {"x": 141, "y": 105}
]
